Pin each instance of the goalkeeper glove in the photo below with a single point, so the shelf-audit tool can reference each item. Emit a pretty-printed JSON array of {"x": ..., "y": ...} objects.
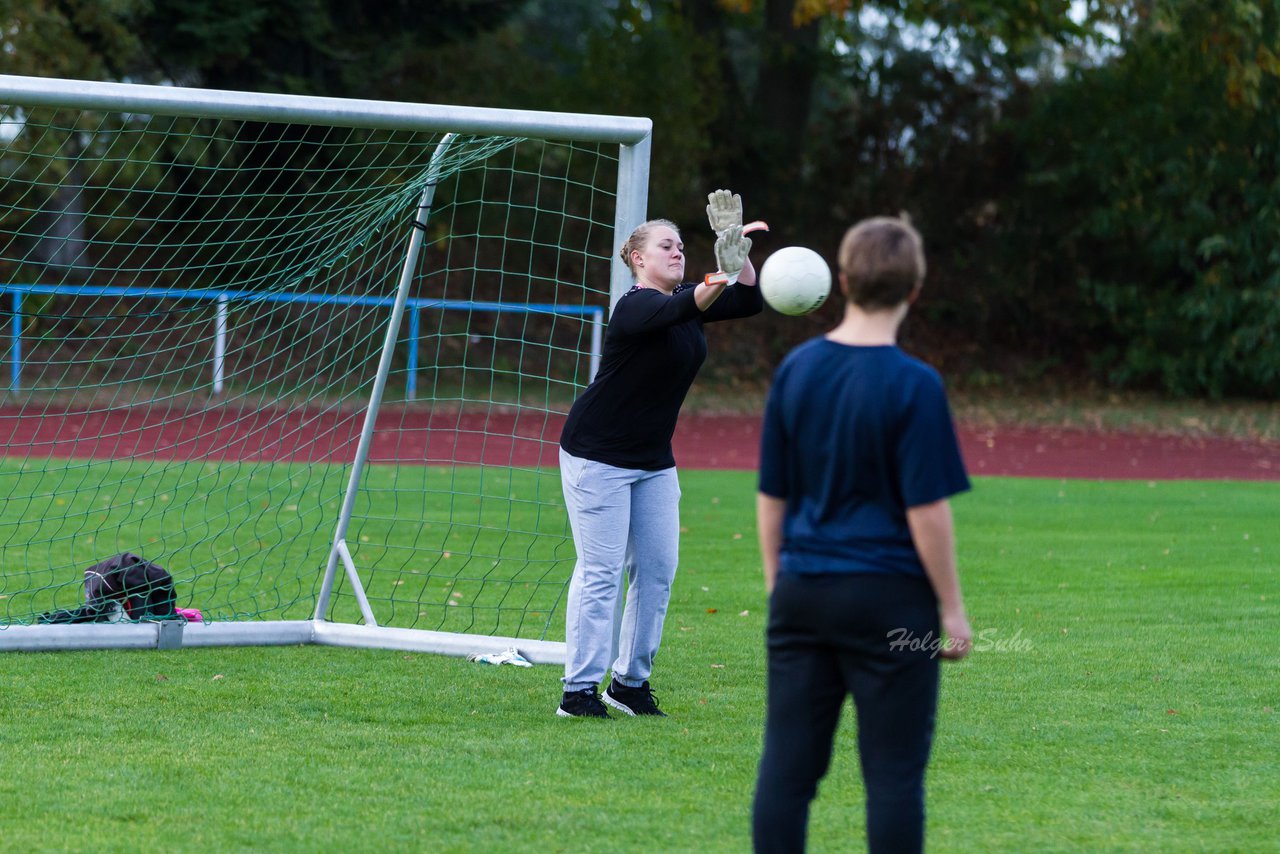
[
  {"x": 724, "y": 210},
  {"x": 731, "y": 252}
]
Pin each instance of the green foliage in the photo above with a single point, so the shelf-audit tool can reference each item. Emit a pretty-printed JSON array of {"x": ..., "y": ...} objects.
[
  {"x": 1095, "y": 181},
  {"x": 320, "y": 47},
  {"x": 652, "y": 69},
  {"x": 85, "y": 39},
  {"x": 1152, "y": 183},
  {"x": 912, "y": 134}
]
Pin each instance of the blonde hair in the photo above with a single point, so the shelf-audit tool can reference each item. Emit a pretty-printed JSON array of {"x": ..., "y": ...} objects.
[
  {"x": 640, "y": 237},
  {"x": 882, "y": 260}
]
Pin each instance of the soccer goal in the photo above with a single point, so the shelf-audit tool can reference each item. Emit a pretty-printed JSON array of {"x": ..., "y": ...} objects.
[{"x": 308, "y": 355}]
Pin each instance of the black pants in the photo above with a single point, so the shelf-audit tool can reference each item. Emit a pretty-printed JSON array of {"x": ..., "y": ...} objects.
[{"x": 872, "y": 636}]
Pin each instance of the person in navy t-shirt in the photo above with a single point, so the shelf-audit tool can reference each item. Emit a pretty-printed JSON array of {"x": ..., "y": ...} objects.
[{"x": 858, "y": 459}]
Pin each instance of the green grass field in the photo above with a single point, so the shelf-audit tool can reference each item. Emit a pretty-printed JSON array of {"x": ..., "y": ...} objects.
[{"x": 1121, "y": 698}]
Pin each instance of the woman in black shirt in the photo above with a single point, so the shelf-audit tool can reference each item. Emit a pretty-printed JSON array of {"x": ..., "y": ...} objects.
[{"x": 616, "y": 464}]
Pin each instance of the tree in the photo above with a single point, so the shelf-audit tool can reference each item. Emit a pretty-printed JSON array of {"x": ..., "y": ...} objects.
[
  {"x": 316, "y": 47},
  {"x": 1155, "y": 184},
  {"x": 81, "y": 39},
  {"x": 778, "y": 62},
  {"x": 1080, "y": 194}
]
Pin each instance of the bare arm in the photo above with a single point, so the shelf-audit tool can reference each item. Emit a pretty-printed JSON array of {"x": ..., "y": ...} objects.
[
  {"x": 769, "y": 513},
  {"x": 933, "y": 532}
]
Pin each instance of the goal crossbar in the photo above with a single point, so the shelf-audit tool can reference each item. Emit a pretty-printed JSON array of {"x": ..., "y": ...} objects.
[{"x": 310, "y": 109}]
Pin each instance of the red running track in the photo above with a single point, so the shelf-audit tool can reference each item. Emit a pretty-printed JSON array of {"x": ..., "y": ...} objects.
[
  {"x": 529, "y": 439},
  {"x": 731, "y": 442}
]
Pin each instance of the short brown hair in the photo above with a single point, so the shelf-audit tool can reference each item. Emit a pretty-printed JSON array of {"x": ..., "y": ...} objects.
[
  {"x": 640, "y": 236},
  {"x": 882, "y": 260}
]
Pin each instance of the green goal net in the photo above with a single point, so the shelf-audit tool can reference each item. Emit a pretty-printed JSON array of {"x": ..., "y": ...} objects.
[{"x": 309, "y": 356}]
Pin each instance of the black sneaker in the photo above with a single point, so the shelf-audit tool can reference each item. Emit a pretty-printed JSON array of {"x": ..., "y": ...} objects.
[
  {"x": 633, "y": 701},
  {"x": 582, "y": 704}
]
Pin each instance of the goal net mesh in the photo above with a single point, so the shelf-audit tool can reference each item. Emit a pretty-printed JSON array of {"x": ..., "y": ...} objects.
[{"x": 194, "y": 312}]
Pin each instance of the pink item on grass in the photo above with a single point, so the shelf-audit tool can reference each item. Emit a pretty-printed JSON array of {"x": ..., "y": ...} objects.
[{"x": 191, "y": 615}]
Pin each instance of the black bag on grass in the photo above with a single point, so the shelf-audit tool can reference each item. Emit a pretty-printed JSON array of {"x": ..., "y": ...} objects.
[{"x": 141, "y": 589}]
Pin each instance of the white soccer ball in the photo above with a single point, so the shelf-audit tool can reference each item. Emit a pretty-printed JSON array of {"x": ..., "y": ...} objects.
[{"x": 795, "y": 280}]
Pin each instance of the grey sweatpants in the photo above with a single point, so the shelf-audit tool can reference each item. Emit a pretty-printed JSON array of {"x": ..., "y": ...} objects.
[{"x": 621, "y": 518}]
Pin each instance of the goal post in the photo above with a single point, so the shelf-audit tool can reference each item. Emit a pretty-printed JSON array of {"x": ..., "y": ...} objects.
[{"x": 310, "y": 355}]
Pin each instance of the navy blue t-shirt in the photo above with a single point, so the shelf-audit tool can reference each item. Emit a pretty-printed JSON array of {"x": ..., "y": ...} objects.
[{"x": 852, "y": 437}]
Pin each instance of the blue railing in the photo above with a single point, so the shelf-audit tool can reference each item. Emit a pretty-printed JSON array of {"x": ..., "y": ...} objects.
[{"x": 223, "y": 299}]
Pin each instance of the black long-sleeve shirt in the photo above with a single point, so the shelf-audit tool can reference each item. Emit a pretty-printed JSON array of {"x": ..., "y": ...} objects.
[{"x": 653, "y": 348}]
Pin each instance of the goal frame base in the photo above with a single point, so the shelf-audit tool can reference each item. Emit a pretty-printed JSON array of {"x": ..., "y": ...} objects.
[{"x": 175, "y": 634}]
